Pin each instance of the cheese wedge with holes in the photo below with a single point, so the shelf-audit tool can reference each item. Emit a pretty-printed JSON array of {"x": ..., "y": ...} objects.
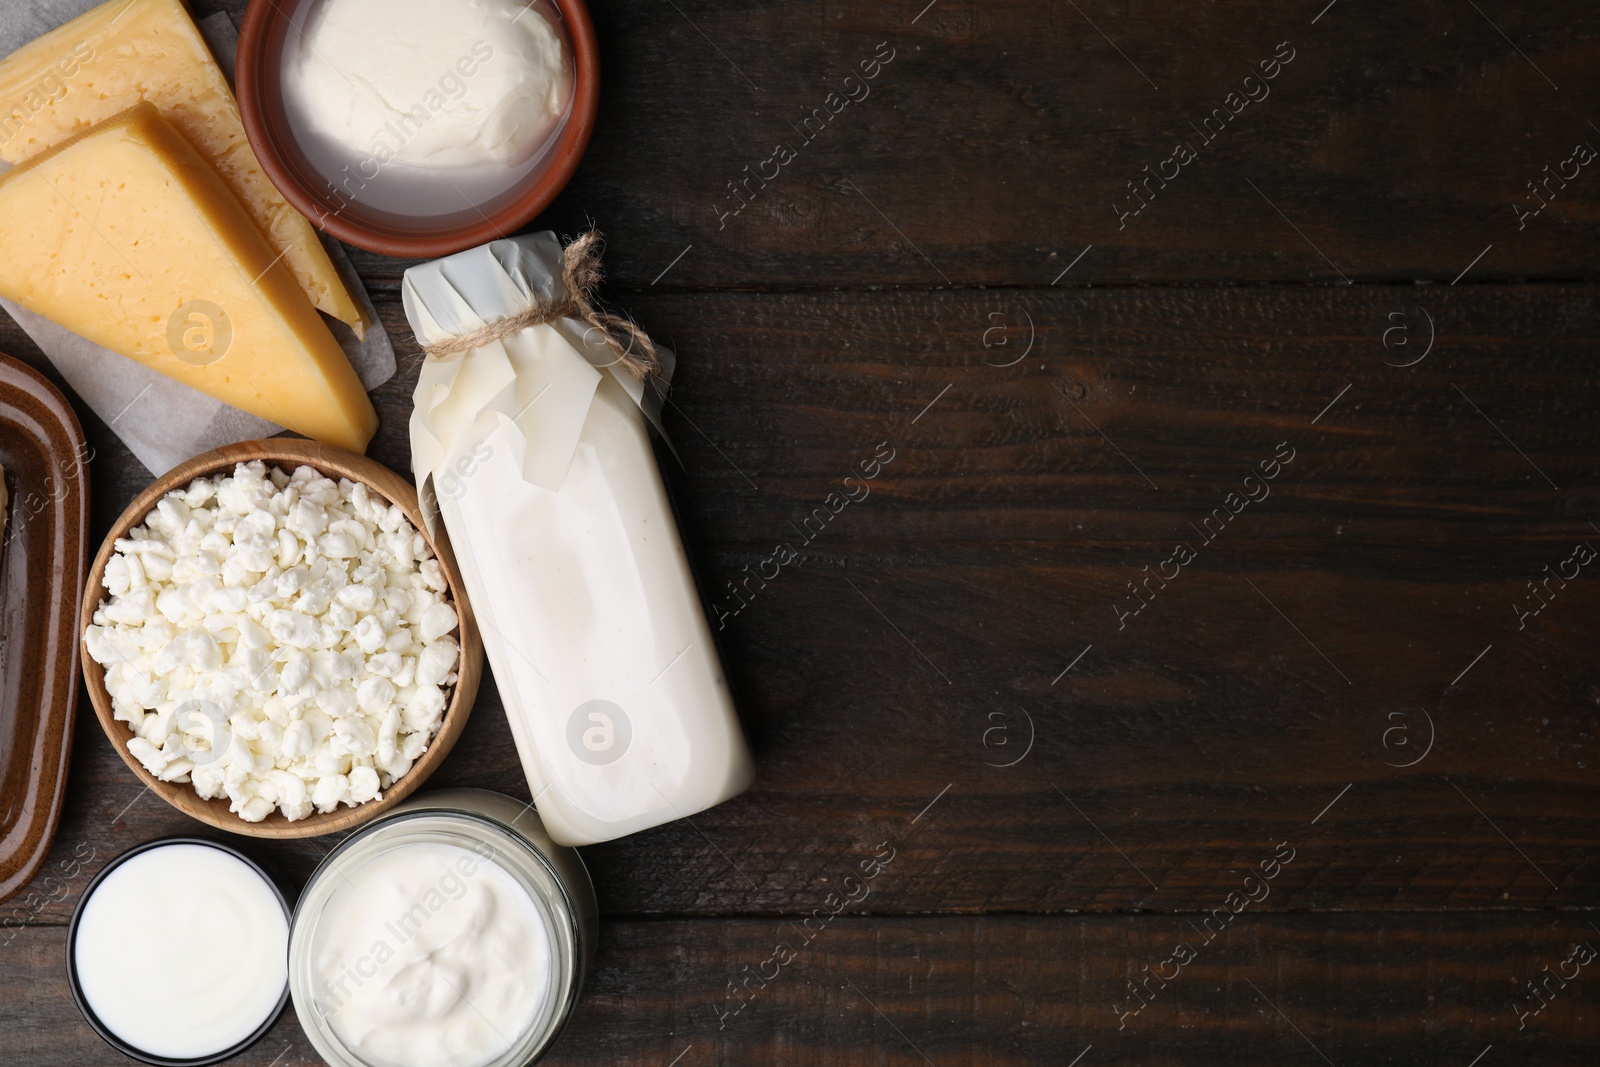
[
  {"x": 112, "y": 57},
  {"x": 127, "y": 237}
]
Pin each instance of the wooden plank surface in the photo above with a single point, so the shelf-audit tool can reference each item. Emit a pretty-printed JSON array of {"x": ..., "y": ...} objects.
[
  {"x": 1006, "y": 991},
  {"x": 1000, "y": 141},
  {"x": 1072, "y": 771},
  {"x": 997, "y": 545}
]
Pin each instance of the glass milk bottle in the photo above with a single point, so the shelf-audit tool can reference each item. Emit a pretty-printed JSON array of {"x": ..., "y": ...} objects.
[{"x": 534, "y": 450}]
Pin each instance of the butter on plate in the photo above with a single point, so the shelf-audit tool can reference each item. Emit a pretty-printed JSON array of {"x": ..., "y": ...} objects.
[
  {"x": 124, "y": 51},
  {"x": 127, "y": 237}
]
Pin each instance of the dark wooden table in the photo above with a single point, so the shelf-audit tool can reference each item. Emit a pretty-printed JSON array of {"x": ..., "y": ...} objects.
[{"x": 1321, "y": 783}]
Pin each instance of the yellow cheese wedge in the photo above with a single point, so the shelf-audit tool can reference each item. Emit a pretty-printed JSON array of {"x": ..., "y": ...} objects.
[
  {"x": 127, "y": 237},
  {"x": 108, "y": 59}
]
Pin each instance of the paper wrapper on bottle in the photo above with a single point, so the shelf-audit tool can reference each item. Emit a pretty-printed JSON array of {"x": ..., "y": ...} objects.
[{"x": 534, "y": 452}]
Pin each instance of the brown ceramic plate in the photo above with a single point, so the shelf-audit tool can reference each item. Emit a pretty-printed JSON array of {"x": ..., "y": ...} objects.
[
  {"x": 288, "y": 453},
  {"x": 42, "y": 554},
  {"x": 269, "y": 25}
]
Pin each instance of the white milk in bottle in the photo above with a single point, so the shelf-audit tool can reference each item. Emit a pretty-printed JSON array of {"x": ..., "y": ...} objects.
[{"x": 538, "y": 459}]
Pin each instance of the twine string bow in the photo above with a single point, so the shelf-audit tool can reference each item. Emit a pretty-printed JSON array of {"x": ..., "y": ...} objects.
[{"x": 580, "y": 276}]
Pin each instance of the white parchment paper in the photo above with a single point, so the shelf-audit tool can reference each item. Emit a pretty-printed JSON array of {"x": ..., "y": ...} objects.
[
  {"x": 545, "y": 404},
  {"x": 163, "y": 422}
]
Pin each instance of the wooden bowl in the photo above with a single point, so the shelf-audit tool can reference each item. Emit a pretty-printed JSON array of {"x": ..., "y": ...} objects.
[{"x": 288, "y": 453}]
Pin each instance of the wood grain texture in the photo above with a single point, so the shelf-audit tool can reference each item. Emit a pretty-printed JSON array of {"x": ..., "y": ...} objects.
[
  {"x": 1002, "y": 536},
  {"x": 1004, "y": 991},
  {"x": 999, "y": 143},
  {"x": 1378, "y": 665}
]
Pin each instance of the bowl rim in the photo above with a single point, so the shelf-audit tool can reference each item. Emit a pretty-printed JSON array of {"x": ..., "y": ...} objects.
[
  {"x": 337, "y": 462},
  {"x": 255, "y": 81},
  {"x": 81, "y": 999}
]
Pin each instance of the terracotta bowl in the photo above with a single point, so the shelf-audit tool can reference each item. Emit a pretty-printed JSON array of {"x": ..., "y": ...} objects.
[
  {"x": 259, "y": 84},
  {"x": 288, "y": 453}
]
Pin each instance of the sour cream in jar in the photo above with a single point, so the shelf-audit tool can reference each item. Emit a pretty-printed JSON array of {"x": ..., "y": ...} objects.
[
  {"x": 431, "y": 955},
  {"x": 450, "y": 934}
]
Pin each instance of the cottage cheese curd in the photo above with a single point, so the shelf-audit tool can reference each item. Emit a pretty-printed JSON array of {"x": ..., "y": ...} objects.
[{"x": 283, "y": 640}]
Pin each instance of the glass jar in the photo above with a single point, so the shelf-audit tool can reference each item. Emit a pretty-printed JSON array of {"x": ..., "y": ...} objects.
[{"x": 504, "y": 834}]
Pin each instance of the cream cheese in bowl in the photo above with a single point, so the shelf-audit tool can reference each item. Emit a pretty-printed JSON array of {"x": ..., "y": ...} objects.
[
  {"x": 452, "y": 933},
  {"x": 425, "y": 107}
]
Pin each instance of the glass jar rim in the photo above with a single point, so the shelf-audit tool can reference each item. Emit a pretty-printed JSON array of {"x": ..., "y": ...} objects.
[{"x": 519, "y": 858}]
